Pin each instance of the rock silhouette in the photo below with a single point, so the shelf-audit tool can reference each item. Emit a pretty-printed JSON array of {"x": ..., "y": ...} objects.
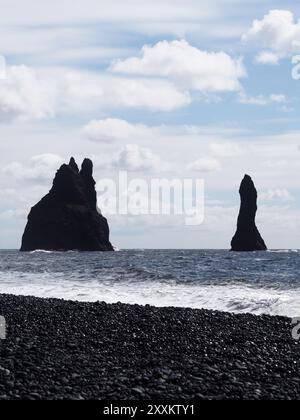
[
  {"x": 247, "y": 237},
  {"x": 67, "y": 218}
]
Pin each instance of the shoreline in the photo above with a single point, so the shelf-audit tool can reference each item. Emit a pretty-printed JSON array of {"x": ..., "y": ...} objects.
[{"x": 58, "y": 349}]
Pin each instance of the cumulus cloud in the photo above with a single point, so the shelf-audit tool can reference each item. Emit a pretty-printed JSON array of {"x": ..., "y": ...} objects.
[
  {"x": 170, "y": 70},
  {"x": 28, "y": 93},
  {"x": 112, "y": 129},
  {"x": 135, "y": 158},
  {"x": 277, "y": 194},
  {"x": 41, "y": 168},
  {"x": 279, "y": 32},
  {"x": 155, "y": 95},
  {"x": 187, "y": 66},
  {"x": 267, "y": 57},
  {"x": 205, "y": 165},
  {"x": 24, "y": 94}
]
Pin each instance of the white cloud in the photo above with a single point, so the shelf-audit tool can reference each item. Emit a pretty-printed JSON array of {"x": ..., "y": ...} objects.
[
  {"x": 180, "y": 149},
  {"x": 13, "y": 214},
  {"x": 267, "y": 57},
  {"x": 278, "y": 31},
  {"x": 109, "y": 130},
  {"x": 41, "y": 168},
  {"x": 128, "y": 11},
  {"x": 262, "y": 100},
  {"x": 155, "y": 95},
  {"x": 28, "y": 93},
  {"x": 44, "y": 45},
  {"x": 135, "y": 158},
  {"x": 278, "y": 194},
  {"x": 226, "y": 149},
  {"x": 63, "y": 32},
  {"x": 205, "y": 165},
  {"x": 187, "y": 66},
  {"x": 276, "y": 164},
  {"x": 112, "y": 129},
  {"x": 24, "y": 94},
  {"x": 279, "y": 99}
]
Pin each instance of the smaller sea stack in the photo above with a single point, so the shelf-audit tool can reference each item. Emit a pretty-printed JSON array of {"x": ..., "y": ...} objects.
[
  {"x": 67, "y": 218},
  {"x": 247, "y": 237}
]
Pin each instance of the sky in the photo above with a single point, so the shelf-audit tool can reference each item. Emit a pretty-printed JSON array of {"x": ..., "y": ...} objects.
[{"x": 163, "y": 89}]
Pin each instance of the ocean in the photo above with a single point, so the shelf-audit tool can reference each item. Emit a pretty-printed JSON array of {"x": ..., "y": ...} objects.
[{"x": 258, "y": 283}]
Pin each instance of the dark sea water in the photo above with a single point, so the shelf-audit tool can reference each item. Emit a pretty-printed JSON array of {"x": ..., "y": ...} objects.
[{"x": 265, "y": 282}]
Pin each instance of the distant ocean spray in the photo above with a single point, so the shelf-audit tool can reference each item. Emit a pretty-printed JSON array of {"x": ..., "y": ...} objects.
[{"x": 262, "y": 282}]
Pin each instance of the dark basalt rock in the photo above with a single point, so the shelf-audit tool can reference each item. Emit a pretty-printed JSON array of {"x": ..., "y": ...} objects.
[
  {"x": 247, "y": 237},
  {"x": 67, "y": 218}
]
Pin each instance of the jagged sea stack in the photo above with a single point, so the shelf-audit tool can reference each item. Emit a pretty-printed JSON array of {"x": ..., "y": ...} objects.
[
  {"x": 67, "y": 218},
  {"x": 247, "y": 237}
]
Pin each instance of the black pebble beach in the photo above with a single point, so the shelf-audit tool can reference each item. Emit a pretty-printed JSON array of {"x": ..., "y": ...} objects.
[{"x": 57, "y": 349}]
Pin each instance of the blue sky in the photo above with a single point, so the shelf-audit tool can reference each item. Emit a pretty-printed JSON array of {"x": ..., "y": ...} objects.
[{"x": 205, "y": 85}]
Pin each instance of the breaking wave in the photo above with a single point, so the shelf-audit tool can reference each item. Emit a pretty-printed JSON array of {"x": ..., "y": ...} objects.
[{"x": 256, "y": 283}]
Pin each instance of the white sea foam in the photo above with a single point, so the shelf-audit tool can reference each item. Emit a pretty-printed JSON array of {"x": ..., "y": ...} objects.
[
  {"x": 283, "y": 251},
  {"x": 232, "y": 298},
  {"x": 41, "y": 251},
  {"x": 247, "y": 282}
]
